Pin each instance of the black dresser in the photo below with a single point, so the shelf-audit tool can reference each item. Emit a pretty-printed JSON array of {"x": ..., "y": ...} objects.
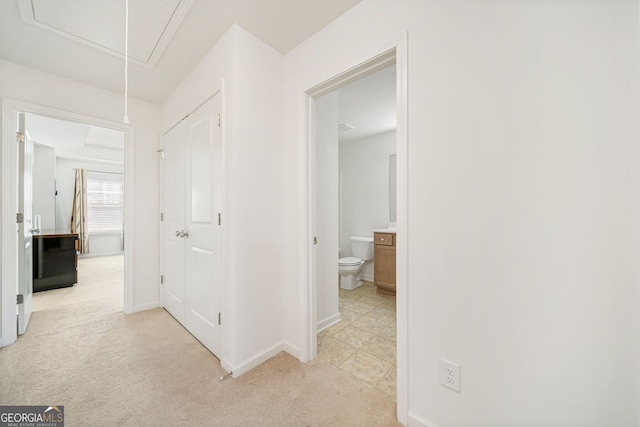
[{"x": 55, "y": 261}]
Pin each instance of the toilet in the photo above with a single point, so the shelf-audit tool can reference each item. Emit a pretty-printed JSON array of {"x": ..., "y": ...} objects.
[{"x": 350, "y": 267}]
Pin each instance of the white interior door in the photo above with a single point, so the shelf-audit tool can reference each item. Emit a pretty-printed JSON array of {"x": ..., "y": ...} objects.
[
  {"x": 203, "y": 242},
  {"x": 25, "y": 227},
  {"x": 174, "y": 222},
  {"x": 192, "y": 233},
  {"x": 326, "y": 198}
]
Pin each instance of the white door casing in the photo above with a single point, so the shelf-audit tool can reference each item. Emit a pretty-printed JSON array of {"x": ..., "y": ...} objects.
[
  {"x": 192, "y": 233},
  {"x": 25, "y": 228}
]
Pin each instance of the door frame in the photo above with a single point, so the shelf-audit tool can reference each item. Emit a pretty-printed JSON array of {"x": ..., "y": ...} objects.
[
  {"x": 26, "y": 152},
  {"x": 395, "y": 50},
  {"x": 8, "y": 204}
]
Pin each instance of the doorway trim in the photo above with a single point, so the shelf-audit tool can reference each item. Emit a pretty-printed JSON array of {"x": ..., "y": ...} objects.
[
  {"x": 395, "y": 50},
  {"x": 8, "y": 202}
]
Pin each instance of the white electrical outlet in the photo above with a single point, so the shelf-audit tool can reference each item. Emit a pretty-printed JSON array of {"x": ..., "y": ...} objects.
[{"x": 450, "y": 375}]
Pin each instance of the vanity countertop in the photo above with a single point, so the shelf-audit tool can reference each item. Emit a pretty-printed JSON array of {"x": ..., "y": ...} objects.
[
  {"x": 53, "y": 234},
  {"x": 385, "y": 230}
]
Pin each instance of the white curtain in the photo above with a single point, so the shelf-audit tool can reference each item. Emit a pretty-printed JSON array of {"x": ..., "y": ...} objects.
[{"x": 79, "y": 211}]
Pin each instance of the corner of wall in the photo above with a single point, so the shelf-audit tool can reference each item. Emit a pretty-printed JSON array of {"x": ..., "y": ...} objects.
[
  {"x": 328, "y": 322},
  {"x": 255, "y": 360},
  {"x": 292, "y": 349},
  {"x": 147, "y": 306},
  {"x": 415, "y": 420}
]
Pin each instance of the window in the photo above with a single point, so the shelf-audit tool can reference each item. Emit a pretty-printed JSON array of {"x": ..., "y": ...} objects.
[{"x": 104, "y": 202}]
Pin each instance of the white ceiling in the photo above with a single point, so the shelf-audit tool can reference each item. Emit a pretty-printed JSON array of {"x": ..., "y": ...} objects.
[
  {"x": 369, "y": 105},
  {"x": 83, "y": 40},
  {"x": 74, "y": 140},
  {"x": 101, "y": 24},
  {"x": 283, "y": 24}
]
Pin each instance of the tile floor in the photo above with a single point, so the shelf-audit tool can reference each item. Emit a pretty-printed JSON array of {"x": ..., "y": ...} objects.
[{"x": 363, "y": 343}]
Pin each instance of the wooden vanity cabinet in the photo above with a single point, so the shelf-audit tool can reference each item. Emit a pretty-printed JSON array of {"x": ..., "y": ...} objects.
[{"x": 384, "y": 262}]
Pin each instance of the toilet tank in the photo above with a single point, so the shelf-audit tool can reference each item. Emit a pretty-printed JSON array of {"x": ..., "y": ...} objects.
[{"x": 362, "y": 247}]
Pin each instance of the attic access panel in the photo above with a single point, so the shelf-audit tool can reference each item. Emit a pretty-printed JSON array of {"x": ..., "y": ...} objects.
[{"x": 100, "y": 24}]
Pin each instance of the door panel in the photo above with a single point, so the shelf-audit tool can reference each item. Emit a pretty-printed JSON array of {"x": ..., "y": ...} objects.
[
  {"x": 25, "y": 229},
  {"x": 203, "y": 244},
  {"x": 174, "y": 216},
  {"x": 201, "y": 170},
  {"x": 200, "y": 291},
  {"x": 174, "y": 279}
]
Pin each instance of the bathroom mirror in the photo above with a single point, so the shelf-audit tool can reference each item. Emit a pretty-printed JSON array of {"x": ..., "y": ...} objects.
[{"x": 392, "y": 188}]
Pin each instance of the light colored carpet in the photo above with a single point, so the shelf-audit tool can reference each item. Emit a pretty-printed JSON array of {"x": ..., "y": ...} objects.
[{"x": 108, "y": 368}]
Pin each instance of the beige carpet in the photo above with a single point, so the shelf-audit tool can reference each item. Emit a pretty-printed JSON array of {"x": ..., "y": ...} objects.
[{"x": 106, "y": 369}]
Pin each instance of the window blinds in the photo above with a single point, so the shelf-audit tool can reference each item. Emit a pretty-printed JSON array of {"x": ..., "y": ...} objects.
[{"x": 105, "y": 197}]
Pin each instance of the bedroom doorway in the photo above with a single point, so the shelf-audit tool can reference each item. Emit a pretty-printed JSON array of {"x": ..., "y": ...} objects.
[
  {"x": 108, "y": 168},
  {"x": 85, "y": 271}
]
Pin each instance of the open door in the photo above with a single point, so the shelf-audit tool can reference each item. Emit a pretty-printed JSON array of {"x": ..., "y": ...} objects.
[{"x": 25, "y": 226}]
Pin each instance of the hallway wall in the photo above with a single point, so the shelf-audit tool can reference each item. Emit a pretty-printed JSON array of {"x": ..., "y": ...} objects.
[{"x": 523, "y": 209}]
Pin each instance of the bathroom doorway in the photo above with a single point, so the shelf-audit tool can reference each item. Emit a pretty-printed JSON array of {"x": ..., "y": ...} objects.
[
  {"x": 355, "y": 139},
  {"x": 374, "y": 59}
]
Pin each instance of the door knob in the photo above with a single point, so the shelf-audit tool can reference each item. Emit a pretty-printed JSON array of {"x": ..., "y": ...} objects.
[{"x": 186, "y": 234}]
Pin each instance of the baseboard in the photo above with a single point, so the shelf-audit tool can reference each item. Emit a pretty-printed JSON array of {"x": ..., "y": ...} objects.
[
  {"x": 148, "y": 306},
  {"x": 4, "y": 344},
  {"x": 90, "y": 255},
  {"x": 367, "y": 277},
  {"x": 257, "y": 359},
  {"x": 415, "y": 420},
  {"x": 292, "y": 350},
  {"x": 226, "y": 366},
  {"x": 328, "y": 321}
]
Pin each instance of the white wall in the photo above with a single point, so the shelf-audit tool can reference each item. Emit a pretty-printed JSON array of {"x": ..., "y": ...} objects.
[
  {"x": 44, "y": 186},
  {"x": 364, "y": 189},
  {"x": 523, "y": 202},
  {"x": 252, "y": 214},
  {"x": 33, "y": 86},
  {"x": 256, "y": 196}
]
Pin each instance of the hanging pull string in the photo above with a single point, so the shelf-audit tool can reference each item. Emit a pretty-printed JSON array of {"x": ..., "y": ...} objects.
[{"x": 126, "y": 61}]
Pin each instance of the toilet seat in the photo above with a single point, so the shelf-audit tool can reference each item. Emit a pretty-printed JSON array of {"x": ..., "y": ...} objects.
[{"x": 349, "y": 261}]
